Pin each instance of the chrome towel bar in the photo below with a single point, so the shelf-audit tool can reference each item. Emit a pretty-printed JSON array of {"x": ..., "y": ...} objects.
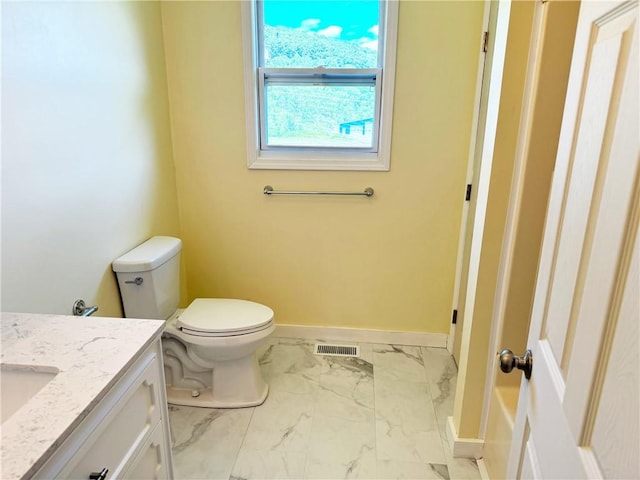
[{"x": 268, "y": 190}]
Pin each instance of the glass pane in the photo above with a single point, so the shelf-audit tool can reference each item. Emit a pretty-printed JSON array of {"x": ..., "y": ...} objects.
[
  {"x": 320, "y": 115},
  {"x": 313, "y": 33}
]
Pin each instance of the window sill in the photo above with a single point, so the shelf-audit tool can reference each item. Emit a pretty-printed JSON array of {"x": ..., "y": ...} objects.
[{"x": 313, "y": 161}]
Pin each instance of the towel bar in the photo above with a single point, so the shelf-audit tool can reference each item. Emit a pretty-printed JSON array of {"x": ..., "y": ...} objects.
[{"x": 268, "y": 190}]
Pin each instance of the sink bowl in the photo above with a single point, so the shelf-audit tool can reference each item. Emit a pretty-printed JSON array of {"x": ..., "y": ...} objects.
[{"x": 19, "y": 384}]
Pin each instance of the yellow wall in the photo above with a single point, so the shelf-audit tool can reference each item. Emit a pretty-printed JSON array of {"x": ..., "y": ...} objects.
[
  {"x": 87, "y": 169},
  {"x": 387, "y": 262}
]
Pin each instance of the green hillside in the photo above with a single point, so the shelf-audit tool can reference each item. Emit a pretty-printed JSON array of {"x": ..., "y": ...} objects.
[
  {"x": 292, "y": 47},
  {"x": 303, "y": 113}
]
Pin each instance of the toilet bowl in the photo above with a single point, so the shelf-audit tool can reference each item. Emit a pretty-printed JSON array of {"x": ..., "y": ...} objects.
[
  {"x": 219, "y": 338},
  {"x": 209, "y": 348}
]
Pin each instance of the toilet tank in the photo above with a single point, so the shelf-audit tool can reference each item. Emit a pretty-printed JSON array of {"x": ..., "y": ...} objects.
[{"x": 149, "y": 278}]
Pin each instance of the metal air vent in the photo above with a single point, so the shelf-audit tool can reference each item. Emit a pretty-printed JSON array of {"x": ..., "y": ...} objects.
[{"x": 337, "y": 350}]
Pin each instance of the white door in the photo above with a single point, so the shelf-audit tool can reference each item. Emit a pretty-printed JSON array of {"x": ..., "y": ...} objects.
[{"x": 578, "y": 414}]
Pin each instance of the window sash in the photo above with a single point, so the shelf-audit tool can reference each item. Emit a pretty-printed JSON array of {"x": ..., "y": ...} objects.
[
  {"x": 382, "y": 31},
  {"x": 320, "y": 76},
  {"x": 324, "y": 77}
]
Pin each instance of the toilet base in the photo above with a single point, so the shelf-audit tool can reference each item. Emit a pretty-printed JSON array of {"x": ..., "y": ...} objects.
[
  {"x": 223, "y": 372},
  {"x": 182, "y": 396}
]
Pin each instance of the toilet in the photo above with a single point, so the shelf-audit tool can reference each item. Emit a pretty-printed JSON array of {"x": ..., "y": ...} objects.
[{"x": 209, "y": 348}]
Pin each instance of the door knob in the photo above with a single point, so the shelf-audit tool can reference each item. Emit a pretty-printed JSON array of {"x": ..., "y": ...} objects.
[{"x": 508, "y": 361}]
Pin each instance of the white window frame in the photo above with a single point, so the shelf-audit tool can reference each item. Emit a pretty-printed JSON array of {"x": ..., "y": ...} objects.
[{"x": 320, "y": 158}]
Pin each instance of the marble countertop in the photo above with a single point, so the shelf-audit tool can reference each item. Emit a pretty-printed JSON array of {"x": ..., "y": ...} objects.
[{"x": 90, "y": 353}]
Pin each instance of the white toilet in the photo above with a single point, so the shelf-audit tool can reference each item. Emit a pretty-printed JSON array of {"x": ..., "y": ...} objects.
[{"x": 210, "y": 347}]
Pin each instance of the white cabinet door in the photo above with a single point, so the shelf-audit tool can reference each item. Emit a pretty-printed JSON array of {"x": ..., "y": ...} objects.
[{"x": 578, "y": 414}]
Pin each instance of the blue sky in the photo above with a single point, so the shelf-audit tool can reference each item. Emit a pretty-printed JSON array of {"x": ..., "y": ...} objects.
[{"x": 346, "y": 20}]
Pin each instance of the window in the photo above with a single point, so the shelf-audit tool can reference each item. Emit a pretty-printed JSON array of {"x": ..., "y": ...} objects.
[{"x": 319, "y": 78}]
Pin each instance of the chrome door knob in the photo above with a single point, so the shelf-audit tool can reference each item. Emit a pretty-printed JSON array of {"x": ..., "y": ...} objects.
[{"x": 508, "y": 361}]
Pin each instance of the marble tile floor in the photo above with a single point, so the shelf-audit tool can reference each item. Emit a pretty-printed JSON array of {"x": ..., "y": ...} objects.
[{"x": 379, "y": 416}]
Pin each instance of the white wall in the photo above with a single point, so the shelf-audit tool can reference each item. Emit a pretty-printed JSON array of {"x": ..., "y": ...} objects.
[{"x": 87, "y": 170}]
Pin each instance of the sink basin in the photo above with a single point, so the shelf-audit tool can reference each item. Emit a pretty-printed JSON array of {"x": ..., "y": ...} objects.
[{"x": 19, "y": 384}]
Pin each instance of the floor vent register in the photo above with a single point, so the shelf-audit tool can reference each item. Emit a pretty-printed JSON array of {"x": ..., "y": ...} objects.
[{"x": 337, "y": 350}]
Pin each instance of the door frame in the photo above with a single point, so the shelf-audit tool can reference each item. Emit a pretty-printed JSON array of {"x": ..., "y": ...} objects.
[
  {"x": 531, "y": 130},
  {"x": 467, "y": 368},
  {"x": 473, "y": 145},
  {"x": 497, "y": 44},
  {"x": 493, "y": 325},
  {"x": 513, "y": 212}
]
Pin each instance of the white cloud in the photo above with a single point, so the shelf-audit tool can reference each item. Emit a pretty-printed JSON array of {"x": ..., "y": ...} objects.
[
  {"x": 368, "y": 43},
  {"x": 374, "y": 30},
  {"x": 310, "y": 23},
  {"x": 332, "y": 31}
]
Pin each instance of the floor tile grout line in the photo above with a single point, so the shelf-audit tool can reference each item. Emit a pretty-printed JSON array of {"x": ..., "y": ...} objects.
[
  {"x": 442, "y": 421},
  {"x": 443, "y": 441},
  {"x": 313, "y": 420},
  {"x": 375, "y": 411},
  {"x": 244, "y": 437}
]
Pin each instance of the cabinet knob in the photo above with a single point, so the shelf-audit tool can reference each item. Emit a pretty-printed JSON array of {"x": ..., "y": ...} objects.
[{"x": 101, "y": 475}]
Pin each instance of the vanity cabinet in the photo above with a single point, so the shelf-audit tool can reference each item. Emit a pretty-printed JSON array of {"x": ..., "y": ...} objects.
[{"x": 127, "y": 432}]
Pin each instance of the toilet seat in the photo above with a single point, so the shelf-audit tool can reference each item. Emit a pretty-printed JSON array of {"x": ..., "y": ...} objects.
[{"x": 224, "y": 317}]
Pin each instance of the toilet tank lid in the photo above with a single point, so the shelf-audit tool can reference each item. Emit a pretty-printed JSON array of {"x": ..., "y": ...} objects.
[{"x": 148, "y": 255}]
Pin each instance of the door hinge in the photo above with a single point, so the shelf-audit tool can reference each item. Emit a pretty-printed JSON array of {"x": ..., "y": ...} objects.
[
  {"x": 467, "y": 195},
  {"x": 485, "y": 42},
  {"x": 454, "y": 317}
]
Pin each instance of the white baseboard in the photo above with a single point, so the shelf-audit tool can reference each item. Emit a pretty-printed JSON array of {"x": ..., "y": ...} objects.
[
  {"x": 362, "y": 335},
  {"x": 463, "y": 447}
]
